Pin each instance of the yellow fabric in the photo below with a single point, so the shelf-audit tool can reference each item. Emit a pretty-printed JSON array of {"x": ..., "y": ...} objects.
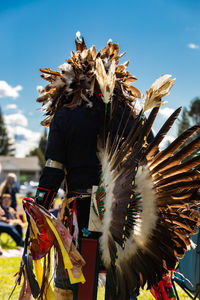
[
  {"x": 66, "y": 259},
  {"x": 49, "y": 294},
  {"x": 33, "y": 228}
]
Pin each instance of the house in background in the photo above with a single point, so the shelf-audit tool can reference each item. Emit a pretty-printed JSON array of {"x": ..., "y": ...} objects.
[{"x": 26, "y": 169}]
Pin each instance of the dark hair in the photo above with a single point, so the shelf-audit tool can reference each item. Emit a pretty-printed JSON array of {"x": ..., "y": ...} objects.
[{"x": 6, "y": 196}]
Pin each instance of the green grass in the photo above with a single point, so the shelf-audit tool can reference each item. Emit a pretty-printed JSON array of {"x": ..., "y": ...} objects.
[
  {"x": 7, "y": 242},
  {"x": 10, "y": 266}
]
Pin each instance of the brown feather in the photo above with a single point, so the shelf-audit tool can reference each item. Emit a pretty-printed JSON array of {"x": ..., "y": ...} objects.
[
  {"x": 153, "y": 147},
  {"x": 184, "y": 167},
  {"x": 178, "y": 157},
  {"x": 50, "y": 72},
  {"x": 80, "y": 46},
  {"x": 178, "y": 187},
  {"x": 168, "y": 152},
  {"x": 187, "y": 176}
]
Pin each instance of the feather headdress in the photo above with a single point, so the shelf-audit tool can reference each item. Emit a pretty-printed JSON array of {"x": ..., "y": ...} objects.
[{"x": 80, "y": 75}]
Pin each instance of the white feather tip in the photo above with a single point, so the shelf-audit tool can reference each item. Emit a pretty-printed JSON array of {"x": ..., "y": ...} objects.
[{"x": 78, "y": 36}]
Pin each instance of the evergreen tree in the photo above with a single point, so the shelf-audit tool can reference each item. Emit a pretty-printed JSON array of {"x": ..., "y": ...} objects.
[
  {"x": 189, "y": 118},
  {"x": 184, "y": 122},
  {"x": 6, "y": 148},
  {"x": 194, "y": 111}
]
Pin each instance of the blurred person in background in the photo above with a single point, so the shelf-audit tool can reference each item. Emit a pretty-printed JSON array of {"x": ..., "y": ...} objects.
[
  {"x": 10, "y": 222},
  {"x": 10, "y": 186}
]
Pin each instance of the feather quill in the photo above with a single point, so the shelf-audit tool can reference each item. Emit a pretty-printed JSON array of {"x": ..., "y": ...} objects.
[{"x": 105, "y": 80}]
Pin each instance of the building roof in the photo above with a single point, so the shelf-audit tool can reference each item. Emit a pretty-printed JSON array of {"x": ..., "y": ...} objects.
[{"x": 30, "y": 163}]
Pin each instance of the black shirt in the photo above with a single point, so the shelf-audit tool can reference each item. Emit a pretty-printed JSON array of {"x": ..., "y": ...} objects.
[{"x": 73, "y": 142}]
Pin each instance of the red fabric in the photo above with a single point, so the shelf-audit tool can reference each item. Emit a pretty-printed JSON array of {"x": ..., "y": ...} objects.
[
  {"x": 89, "y": 252},
  {"x": 164, "y": 289}
]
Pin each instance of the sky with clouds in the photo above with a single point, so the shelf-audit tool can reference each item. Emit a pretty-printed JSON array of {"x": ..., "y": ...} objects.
[{"x": 159, "y": 37}]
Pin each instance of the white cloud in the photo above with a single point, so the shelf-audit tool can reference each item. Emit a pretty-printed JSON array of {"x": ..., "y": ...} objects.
[
  {"x": 24, "y": 139},
  {"x": 167, "y": 139},
  {"x": 16, "y": 119},
  {"x": 193, "y": 46},
  {"x": 11, "y": 106},
  {"x": 166, "y": 112},
  {"x": 7, "y": 90}
]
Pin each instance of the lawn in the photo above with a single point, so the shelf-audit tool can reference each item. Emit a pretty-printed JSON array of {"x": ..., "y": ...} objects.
[{"x": 9, "y": 267}]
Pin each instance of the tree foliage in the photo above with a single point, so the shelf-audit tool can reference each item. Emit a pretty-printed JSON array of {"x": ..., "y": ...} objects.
[
  {"x": 194, "y": 111},
  {"x": 6, "y": 147},
  {"x": 184, "y": 122},
  {"x": 190, "y": 117}
]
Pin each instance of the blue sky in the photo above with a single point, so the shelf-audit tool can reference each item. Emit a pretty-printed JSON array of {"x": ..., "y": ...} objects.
[{"x": 159, "y": 37}]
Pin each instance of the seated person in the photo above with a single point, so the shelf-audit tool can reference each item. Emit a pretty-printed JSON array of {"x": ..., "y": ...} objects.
[
  {"x": 10, "y": 222},
  {"x": 10, "y": 186}
]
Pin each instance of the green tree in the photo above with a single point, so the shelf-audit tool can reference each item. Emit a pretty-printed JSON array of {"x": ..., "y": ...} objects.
[
  {"x": 190, "y": 117},
  {"x": 184, "y": 122},
  {"x": 194, "y": 111},
  {"x": 6, "y": 147}
]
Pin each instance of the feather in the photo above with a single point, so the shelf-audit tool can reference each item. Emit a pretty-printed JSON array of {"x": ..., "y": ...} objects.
[
  {"x": 114, "y": 50},
  {"x": 168, "y": 152},
  {"x": 160, "y": 88},
  {"x": 187, "y": 176},
  {"x": 134, "y": 91},
  {"x": 106, "y": 81},
  {"x": 188, "y": 165},
  {"x": 80, "y": 43},
  {"x": 153, "y": 147},
  {"x": 78, "y": 36},
  {"x": 126, "y": 145},
  {"x": 35, "y": 289},
  {"x": 49, "y": 71},
  {"x": 178, "y": 157},
  {"x": 143, "y": 133}
]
